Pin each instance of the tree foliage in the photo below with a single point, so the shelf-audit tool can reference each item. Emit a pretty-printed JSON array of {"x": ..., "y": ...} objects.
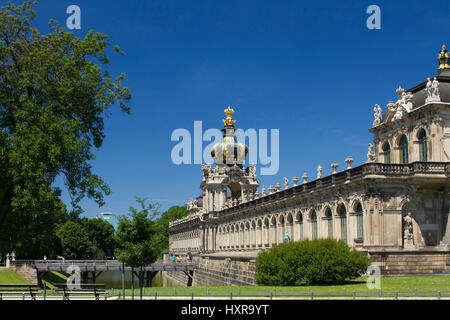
[
  {"x": 135, "y": 240},
  {"x": 74, "y": 241},
  {"x": 54, "y": 95},
  {"x": 320, "y": 261},
  {"x": 101, "y": 234},
  {"x": 162, "y": 227}
]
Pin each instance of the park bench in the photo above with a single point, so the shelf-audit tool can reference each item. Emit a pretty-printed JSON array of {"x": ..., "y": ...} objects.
[
  {"x": 83, "y": 289},
  {"x": 23, "y": 289}
]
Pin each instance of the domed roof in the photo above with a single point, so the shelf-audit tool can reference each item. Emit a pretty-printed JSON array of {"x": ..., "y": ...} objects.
[
  {"x": 229, "y": 151},
  {"x": 442, "y": 76}
]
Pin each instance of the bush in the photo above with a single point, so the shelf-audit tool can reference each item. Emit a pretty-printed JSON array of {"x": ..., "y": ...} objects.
[{"x": 322, "y": 261}]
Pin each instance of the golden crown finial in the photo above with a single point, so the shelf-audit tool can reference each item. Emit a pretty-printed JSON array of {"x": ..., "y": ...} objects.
[
  {"x": 443, "y": 58},
  {"x": 228, "y": 121}
]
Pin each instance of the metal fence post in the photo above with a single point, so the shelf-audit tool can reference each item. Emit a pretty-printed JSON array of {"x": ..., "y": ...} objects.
[
  {"x": 156, "y": 295},
  {"x": 312, "y": 295},
  {"x": 354, "y": 294},
  {"x": 396, "y": 294},
  {"x": 231, "y": 295},
  {"x": 45, "y": 291},
  {"x": 192, "y": 295},
  {"x": 119, "y": 294},
  {"x": 23, "y": 296},
  {"x": 439, "y": 295},
  {"x": 270, "y": 294}
]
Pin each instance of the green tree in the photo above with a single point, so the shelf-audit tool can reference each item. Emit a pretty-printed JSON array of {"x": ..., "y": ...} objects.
[
  {"x": 101, "y": 234},
  {"x": 162, "y": 227},
  {"x": 135, "y": 241},
  {"x": 75, "y": 241},
  {"x": 54, "y": 95}
]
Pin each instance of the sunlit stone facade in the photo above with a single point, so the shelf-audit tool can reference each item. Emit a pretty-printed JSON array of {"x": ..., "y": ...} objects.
[{"x": 408, "y": 171}]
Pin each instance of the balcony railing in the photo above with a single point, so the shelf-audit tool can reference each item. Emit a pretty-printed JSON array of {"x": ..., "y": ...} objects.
[{"x": 372, "y": 169}]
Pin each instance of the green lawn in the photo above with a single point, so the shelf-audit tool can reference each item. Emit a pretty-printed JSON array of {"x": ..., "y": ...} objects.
[
  {"x": 426, "y": 285},
  {"x": 8, "y": 276},
  {"x": 53, "y": 277}
]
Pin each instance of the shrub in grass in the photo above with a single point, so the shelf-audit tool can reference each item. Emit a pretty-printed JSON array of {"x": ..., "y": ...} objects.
[{"x": 321, "y": 261}]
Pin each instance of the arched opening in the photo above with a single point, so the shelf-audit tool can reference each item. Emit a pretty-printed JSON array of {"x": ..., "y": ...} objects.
[
  {"x": 274, "y": 230},
  {"x": 313, "y": 225},
  {"x": 253, "y": 244},
  {"x": 300, "y": 226},
  {"x": 403, "y": 149},
  {"x": 242, "y": 235},
  {"x": 248, "y": 237},
  {"x": 359, "y": 222},
  {"x": 329, "y": 220},
  {"x": 261, "y": 241},
  {"x": 235, "y": 189},
  {"x": 236, "y": 233},
  {"x": 387, "y": 152},
  {"x": 283, "y": 228},
  {"x": 290, "y": 222},
  {"x": 342, "y": 212},
  {"x": 267, "y": 231},
  {"x": 423, "y": 150}
]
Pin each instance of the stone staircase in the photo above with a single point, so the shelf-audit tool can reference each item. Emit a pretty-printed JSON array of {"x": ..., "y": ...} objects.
[{"x": 26, "y": 269}]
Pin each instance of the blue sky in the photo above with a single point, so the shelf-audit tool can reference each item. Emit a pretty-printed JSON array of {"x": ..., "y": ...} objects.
[{"x": 311, "y": 69}]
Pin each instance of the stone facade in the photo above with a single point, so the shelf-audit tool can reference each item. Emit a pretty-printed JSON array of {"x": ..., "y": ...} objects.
[{"x": 395, "y": 207}]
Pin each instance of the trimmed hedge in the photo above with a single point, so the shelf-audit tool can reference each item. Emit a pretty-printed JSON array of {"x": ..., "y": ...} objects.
[{"x": 321, "y": 261}]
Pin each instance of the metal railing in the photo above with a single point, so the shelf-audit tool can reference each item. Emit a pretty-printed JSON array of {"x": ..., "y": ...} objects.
[{"x": 274, "y": 294}]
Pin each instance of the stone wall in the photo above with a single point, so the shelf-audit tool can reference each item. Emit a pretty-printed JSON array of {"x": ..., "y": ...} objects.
[
  {"x": 174, "y": 279},
  {"x": 26, "y": 269},
  {"x": 225, "y": 271},
  {"x": 236, "y": 269},
  {"x": 412, "y": 262}
]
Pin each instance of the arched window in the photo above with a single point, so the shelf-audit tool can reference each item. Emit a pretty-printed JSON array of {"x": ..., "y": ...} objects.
[
  {"x": 300, "y": 227},
  {"x": 274, "y": 227},
  {"x": 343, "y": 217},
  {"x": 254, "y": 234},
  {"x": 260, "y": 233},
  {"x": 423, "y": 151},
  {"x": 403, "y": 149},
  {"x": 359, "y": 222},
  {"x": 313, "y": 225},
  {"x": 283, "y": 227},
  {"x": 290, "y": 220},
  {"x": 387, "y": 152},
  {"x": 329, "y": 219}
]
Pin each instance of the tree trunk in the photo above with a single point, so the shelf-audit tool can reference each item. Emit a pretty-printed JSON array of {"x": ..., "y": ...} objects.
[{"x": 5, "y": 204}]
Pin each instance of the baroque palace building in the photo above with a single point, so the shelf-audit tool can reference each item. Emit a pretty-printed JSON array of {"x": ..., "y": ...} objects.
[{"x": 395, "y": 207}]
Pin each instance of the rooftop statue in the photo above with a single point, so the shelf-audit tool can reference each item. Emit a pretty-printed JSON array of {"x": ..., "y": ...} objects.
[{"x": 377, "y": 114}]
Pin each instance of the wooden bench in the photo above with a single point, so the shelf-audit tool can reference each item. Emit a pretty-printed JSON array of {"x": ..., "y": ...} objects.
[
  {"x": 30, "y": 289},
  {"x": 86, "y": 289}
]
